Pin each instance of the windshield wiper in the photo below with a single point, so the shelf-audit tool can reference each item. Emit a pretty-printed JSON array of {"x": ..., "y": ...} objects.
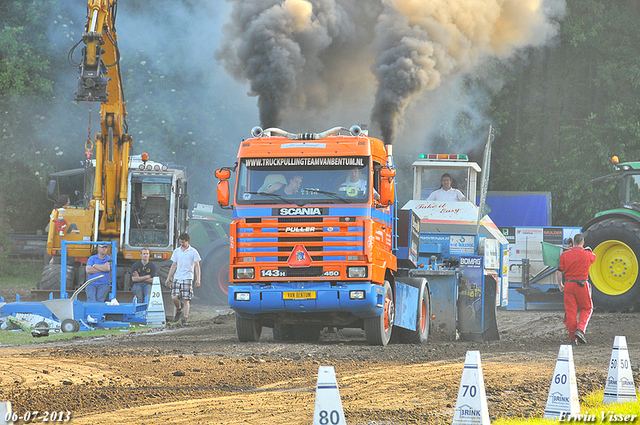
[
  {"x": 324, "y": 192},
  {"x": 279, "y": 197}
]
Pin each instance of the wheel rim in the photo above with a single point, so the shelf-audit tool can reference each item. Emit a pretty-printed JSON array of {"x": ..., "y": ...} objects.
[
  {"x": 616, "y": 268},
  {"x": 223, "y": 278},
  {"x": 388, "y": 312},
  {"x": 423, "y": 317}
]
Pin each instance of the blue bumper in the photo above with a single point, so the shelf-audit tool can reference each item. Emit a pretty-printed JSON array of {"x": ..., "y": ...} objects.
[{"x": 328, "y": 298}]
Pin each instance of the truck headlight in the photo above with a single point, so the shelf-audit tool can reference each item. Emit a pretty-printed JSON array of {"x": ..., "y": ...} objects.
[
  {"x": 245, "y": 273},
  {"x": 242, "y": 296},
  {"x": 356, "y": 295},
  {"x": 358, "y": 272}
]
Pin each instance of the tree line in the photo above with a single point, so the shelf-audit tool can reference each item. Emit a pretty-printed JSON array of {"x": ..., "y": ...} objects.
[{"x": 563, "y": 111}]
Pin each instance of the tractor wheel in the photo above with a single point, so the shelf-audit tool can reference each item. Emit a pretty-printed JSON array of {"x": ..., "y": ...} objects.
[
  {"x": 421, "y": 334},
  {"x": 214, "y": 285},
  {"x": 378, "y": 329},
  {"x": 248, "y": 330},
  {"x": 282, "y": 332},
  {"x": 614, "y": 275}
]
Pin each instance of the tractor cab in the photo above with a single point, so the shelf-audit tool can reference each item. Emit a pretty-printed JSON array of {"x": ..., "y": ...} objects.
[{"x": 428, "y": 170}]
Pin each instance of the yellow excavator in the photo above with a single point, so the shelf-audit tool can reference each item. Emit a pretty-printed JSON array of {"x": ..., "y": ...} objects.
[{"x": 128, "y": 198}]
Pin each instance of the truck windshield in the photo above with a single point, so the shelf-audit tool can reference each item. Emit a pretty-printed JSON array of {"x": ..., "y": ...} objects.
[{"x": 303, "y": 180}]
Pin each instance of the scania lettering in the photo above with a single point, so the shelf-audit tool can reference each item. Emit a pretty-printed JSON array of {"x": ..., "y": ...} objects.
[{"x": 300, "y": 211}]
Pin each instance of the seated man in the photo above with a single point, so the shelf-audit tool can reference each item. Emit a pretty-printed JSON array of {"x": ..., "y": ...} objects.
[
  {"x": 278, "y": 184},
  {"x": 446, "y": 192},
  {"x": 142, "y": 274},
  {"x": 99, "y": 264},
  {"x": 354, "y": 180}
]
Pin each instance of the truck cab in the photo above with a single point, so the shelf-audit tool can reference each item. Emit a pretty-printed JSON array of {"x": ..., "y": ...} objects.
[{"x": 312, "y": 236}]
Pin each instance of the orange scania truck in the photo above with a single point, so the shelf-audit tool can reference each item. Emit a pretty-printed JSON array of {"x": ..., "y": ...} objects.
[{"x": 314, "y": 241}]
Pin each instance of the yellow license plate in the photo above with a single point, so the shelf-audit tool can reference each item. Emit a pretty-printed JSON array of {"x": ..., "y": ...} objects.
[{"x": 299, "y": 295}]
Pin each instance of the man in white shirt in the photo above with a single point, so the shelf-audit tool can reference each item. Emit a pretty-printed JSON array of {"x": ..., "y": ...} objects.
[
  {"x": 446, "y": 192},
  {"x": 354, "y": 180},
  {"x": 185, "y": 260}
]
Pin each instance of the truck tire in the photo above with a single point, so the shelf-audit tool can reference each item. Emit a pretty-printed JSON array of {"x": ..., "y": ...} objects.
[
  {"x": 214, "y": 288},
  {"x": 615, "y": 273},
  {"x": 248, "y": 330},
  {"x": 421, "y": 334},
  {"x": 282, "y": 332},
  {"x": 378, "y": 329}
]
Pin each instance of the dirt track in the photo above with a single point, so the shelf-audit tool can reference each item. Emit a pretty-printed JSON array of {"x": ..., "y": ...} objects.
[{"x": 202, "y": 375}]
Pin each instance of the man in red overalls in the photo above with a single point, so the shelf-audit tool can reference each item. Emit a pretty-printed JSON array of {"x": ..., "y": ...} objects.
[{"x": 575, "y": 263}]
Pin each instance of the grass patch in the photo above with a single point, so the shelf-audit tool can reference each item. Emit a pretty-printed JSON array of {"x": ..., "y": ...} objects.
[
  {"x": 8, "y": 338},
  {"x": 26, "y": 280},
  {"x": 21, "y": 275},
  {"x": 593, "y": 406}
]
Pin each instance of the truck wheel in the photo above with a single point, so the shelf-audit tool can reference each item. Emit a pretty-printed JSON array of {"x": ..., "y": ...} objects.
[
  {"x": 214, "y": 288},
  {"x": 306, "y": 333},
  {"x": 377, "y": 330},
  {"x": 282, "y": 332},
  {"x": 248, "y": 330},
  {"x": 615, "y": 273},
  {"x": 421, "y": 334}
]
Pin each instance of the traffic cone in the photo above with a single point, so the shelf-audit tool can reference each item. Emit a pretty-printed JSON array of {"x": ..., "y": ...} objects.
[
  {"x": 156, "y": 316},
  {"x": 563, "y": 394},
  {"x": 619, "y": 387},
  {"x": 6, "y": 413},
  {"x": 328, "y": 409},
  {"x": 471, "y": 406}
]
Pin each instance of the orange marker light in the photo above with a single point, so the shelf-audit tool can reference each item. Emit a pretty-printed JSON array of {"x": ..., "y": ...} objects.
[{"x": 615, "y": 159}]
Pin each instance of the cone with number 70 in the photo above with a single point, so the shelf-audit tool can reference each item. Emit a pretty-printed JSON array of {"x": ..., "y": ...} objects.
[{"x": 471, "y": 407}]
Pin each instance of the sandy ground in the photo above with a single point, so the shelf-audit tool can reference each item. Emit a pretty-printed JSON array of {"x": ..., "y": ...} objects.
[{"x": 201, "y": 374}]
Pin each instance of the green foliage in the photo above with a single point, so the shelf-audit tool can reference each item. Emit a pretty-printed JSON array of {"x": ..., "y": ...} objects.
[{"x": 21, "y": 68}]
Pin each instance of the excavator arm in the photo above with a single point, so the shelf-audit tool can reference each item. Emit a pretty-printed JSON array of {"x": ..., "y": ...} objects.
[{"x": 100, "y": 80}]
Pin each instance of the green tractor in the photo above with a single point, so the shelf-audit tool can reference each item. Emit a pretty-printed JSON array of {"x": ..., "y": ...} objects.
[{"x": 614, "y": 236}]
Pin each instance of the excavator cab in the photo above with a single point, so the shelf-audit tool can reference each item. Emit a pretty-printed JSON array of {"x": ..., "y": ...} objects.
[{"x": 150, "y": 207}]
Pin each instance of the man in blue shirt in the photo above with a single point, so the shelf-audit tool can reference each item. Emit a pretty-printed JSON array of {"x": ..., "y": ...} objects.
[{"x": 99, "y": 264}]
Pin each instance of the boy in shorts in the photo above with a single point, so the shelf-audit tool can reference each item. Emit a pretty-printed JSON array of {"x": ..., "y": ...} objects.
[{"x": 180, "y": 279}]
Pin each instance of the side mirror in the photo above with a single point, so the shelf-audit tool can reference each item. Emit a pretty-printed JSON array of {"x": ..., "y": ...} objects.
[
  {"x": 222, "y": 174},
  {"x": 387, "y": 173},
  {"x": 51, "y": 187},
  {"x": 387, "y": 189},
  {"x": 184, "y": 201},
  {"x": 223, "y": 190}
]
